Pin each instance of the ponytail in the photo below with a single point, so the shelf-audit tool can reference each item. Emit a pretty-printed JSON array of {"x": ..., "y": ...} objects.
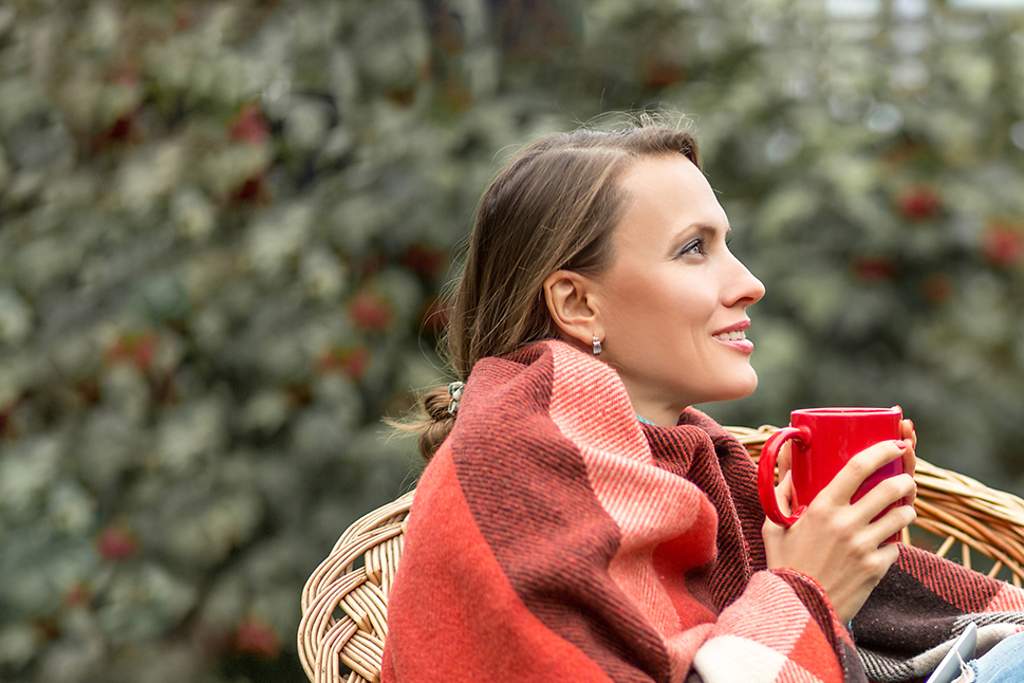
[{"x": 433, "y": 422}]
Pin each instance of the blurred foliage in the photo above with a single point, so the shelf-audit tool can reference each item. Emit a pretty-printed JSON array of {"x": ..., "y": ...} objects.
[{"x": 223, "y": 227}]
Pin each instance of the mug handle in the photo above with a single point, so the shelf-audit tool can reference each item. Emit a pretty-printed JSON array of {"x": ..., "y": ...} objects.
[{"x": 766, "y": 472}]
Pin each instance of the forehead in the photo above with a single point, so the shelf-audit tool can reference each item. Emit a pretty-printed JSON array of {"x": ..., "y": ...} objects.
[{"x": 664, "y": 195}]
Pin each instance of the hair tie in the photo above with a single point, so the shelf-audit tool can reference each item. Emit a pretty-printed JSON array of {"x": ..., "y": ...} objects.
[{"x": 455, "y": 391}]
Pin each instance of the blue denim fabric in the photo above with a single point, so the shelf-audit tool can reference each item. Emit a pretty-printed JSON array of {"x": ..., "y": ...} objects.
[{"x": 1004, "y": 663}]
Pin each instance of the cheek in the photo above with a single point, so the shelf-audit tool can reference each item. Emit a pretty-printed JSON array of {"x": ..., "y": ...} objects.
[
  {"x": 668, "y": 310},
  {"x": 686, "y": 322},
  {"x": 642, "y": 299}
]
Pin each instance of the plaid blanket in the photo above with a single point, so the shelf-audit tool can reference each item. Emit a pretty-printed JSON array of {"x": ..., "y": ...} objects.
[{"x": 555, "y": 537}]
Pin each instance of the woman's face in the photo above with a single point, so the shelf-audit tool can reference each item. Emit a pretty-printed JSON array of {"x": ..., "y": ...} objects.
[{"x": 671, "y": 286}]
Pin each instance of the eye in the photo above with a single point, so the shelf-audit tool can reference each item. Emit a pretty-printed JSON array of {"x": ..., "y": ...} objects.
[{"x": 697, "y": 244}]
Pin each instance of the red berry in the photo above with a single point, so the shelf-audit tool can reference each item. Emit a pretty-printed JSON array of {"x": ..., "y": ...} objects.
[
  {"x": 355, "y": 362},
  {"x": 350, "y": 360},
  {"x": 872, "y": 269},
  {"x": 252, "y": 190},
  {"x": 1003, "y": 244},
  {"x": 249, "y": 126},
  {"x": 370, "y": 311},
  {"x": 115, "y": 543},
  {"x": 424, "y": 260},
  {"x": 256, "y": 637},
  {"x": 919, "y": 203},
  {"x": 138, "y": 349}
]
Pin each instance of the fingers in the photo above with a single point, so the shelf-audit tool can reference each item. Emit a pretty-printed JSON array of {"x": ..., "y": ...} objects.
[
  {"x": 885, "y": 493},
  {"x": 892, "y": 522},
  {"x": 910, "y": 466},
  {"x": 910, "y": 457},
  {"x": 841, "y": 489},
  {"x": 887, "y": 556},
  {"x": 907, "y": 432},
  {"x": 907, "y": 429}
]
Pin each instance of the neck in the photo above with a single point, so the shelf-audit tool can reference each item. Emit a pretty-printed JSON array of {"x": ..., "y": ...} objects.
[
  {"x": 652, "y": 414},
  {"x": 648, "y": 408}
]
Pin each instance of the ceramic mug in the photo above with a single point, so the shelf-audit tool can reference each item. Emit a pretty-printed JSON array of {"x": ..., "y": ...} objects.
[{"x": 822, "y": 440}]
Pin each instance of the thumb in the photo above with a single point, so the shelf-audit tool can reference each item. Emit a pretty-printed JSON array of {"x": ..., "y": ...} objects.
[{"x": 784, "y": 492}]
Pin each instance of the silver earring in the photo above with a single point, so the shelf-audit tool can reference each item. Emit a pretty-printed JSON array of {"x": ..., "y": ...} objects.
[
  {"x": 597, "y": 346},
  {"x": 455, "y": 393}
]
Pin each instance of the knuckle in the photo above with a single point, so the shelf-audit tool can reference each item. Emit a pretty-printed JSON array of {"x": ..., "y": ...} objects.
[
  {"x": 819, "y": 509},
  {"x": 858, "y": 468},
  {"x": 892, "y": 487},
  {"x": 875, "y": 566},
  {"x": 910, "y": 513},
  {"x": 881, "y": 562},
  {"x": 901, "y": 485},
  {"x": 842, "y": 528},
  {"x": 811, "y": 518},
  {"x": 902, "y": 515},
  {"x": 860, "y": 545}
]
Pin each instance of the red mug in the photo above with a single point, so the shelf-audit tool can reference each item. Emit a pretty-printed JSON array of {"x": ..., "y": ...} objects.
[{"x": 822, "y": 441}]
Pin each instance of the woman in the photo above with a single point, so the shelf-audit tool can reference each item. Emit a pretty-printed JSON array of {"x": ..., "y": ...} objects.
[{"x": 579, "y": 519}]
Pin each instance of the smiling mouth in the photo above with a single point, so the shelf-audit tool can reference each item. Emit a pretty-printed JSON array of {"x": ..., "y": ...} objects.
[
  {"x": 731, "y": 336},
  {"x": 735, "y": 340}
]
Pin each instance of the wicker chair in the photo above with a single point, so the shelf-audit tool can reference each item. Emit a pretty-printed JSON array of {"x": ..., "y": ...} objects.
[{"x": 344, "y": 602}]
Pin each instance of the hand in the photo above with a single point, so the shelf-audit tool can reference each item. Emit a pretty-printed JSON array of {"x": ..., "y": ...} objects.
[
  {"x": 835, "y": 541},
  {"x": 908, "y": 433}
]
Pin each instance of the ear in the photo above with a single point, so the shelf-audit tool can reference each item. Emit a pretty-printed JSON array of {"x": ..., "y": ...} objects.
[{"x": 573, "y": 304}]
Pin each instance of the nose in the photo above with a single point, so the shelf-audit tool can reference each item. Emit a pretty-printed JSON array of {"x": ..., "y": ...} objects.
[{"x": 743, "y": 288}]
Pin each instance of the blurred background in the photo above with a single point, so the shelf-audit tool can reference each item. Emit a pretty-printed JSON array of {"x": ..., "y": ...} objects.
[{"x": 224, "y": 226}]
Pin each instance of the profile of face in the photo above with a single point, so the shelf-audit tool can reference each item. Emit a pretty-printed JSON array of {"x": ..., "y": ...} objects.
[{"x": 672, "y": 284}]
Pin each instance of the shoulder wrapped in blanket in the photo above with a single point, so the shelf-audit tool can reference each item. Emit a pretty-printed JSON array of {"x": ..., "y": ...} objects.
[{"x": 554, "y": 537}]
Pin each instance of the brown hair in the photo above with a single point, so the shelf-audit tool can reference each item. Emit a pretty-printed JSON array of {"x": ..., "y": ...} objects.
[{"x": 553, "y": 206}]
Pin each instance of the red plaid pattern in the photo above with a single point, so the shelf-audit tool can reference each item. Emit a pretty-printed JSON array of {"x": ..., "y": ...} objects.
[{"x": 554, "y": 537}]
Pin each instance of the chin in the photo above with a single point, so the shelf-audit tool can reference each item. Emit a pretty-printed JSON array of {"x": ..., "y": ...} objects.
[{"x": 741, "y": 388}]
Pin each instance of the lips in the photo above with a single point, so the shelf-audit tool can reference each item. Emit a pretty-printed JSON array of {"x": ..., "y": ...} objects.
[
  {"x": 741, "y": 343},
  {"x": 736, "y": 327}
]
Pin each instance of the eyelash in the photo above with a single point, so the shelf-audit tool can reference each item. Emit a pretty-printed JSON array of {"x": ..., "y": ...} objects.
[{"x": 700, "y": 241}]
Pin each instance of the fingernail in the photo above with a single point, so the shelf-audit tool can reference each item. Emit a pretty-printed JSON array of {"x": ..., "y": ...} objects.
[{"x": 901, "y": 444}]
